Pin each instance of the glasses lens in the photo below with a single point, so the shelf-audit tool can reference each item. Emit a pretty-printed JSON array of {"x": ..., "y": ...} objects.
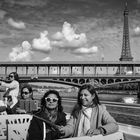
[
  {"x": 11, "y": 76},
  {"x": 48, "y": 99},
  {"x": 54, "y": 100},
  {"x": 25, "y": 93}
]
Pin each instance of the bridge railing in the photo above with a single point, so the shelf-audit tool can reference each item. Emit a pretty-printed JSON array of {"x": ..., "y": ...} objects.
[{"x": 22, "y": 76}]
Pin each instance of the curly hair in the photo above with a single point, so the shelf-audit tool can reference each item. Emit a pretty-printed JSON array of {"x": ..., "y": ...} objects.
[{"x": 43, "y": 102}]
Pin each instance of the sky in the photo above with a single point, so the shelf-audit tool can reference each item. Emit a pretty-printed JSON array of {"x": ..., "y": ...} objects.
[{"x": 67, "y": 30}]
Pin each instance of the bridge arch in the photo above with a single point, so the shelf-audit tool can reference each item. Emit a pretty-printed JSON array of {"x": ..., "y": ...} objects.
[
  {"x": 110, "y": 81},
  {"x": 68, "y": 80},
  {"x": 117, "y": 80},
  {"x": 81, "y": 81},
  {"x": 75, "y": 81},
  {"x": 103, "y": 81},
  {"x": 125, "y": 79}
]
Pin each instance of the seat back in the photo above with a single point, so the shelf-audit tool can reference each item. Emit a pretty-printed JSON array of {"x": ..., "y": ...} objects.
[
  {"x": 3, "y": 127},
  {"x": 17, "y": 128},
  {"x": 17, "y": 131},
  {"x": 14, "y": 126}
]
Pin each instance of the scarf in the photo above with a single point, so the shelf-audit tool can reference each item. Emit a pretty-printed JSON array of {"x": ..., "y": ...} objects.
[
  {"x": 51, "y": 115},
  {"x": 84, "y": 124},
  {"x": 80, "y": 122}
]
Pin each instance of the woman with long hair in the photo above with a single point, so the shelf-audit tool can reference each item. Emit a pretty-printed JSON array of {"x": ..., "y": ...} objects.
[
  {"x": 51, "y": 114},
  {"x": 89, "y": 116}
]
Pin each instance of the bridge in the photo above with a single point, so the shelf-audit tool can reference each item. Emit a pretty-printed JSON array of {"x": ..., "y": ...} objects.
[{"x": 73, "y": 73}]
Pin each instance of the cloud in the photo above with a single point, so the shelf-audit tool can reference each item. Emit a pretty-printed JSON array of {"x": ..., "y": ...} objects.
[
  {"x": 138, "y": 1},
  {"x": 58, "y": 36},
  {"x": 88, "y": 51},
  {"x": 18, "y": 25},
  {"x": 2, "y": 14},
  {"x": 68, "y": 39},
  {"x": 21, "y": 53},
  {"x": 46, "y": 59},
  {"x": 42, "y": 44},
  {"x": 136, "y": 32}
]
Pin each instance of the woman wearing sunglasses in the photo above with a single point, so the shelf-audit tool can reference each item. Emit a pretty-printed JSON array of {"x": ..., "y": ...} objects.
[
  {"x": 26, "y": 92},
  {"x": 26, "y": 103},
  {"x": 12, "y": 87},
  {"x": 51, "y": 113},
  {"x": 89, "y": 117}
]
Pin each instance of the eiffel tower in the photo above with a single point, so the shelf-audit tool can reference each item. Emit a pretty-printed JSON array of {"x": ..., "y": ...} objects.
[{"x": 126, "y": 52}]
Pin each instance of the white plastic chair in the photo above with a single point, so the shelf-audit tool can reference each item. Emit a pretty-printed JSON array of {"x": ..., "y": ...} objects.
[
  {"x": 17, "y": 131},
  {"x": 17, "y": 126}
]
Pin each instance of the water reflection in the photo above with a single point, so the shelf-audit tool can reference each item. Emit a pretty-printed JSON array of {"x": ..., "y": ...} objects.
[
  {"x": 129, "y": 100},
  {"x": 119, "y": 97}
]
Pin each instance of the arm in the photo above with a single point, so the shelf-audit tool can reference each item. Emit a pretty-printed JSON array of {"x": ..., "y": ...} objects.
[
  {"x": 68, "y": 130},
  {"x": 105, "y": 123},
  {"x": 12, "y": 110},
  {"x": 11, "y": 85},
  {"x": 109, "y": 125}
]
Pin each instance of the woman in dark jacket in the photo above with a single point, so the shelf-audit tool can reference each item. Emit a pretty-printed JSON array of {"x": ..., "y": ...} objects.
[{"x": 50, "y": 115}]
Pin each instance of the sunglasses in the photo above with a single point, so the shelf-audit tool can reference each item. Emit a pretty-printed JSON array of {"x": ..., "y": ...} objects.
[
  {"x": 25, "y": 93},
  {"x": 48, "y": 99},
  {"x": 11, "y": 76}
]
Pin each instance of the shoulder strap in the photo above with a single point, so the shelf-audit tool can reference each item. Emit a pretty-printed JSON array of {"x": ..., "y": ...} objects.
[{"x": 44, "y": 131}]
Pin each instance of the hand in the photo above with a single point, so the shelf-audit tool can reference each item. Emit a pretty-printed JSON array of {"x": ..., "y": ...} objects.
[
  {"x": 92, "y": 132},
  {"x": 9, "y": 103},
  {"x": 61, "y": 130},
  {"x": 20, "y": 111}
]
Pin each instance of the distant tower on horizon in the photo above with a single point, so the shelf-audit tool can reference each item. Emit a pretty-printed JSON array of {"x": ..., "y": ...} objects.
[{"x": 126, "y": 52}]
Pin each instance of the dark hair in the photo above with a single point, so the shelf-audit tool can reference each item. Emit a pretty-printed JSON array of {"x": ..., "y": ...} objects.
[
  {"x": 92, "y": 91},
  {"x": 30, "y": 91},
  {"x": 43, "y": 102},
  {"x": 16, "y": 77}
]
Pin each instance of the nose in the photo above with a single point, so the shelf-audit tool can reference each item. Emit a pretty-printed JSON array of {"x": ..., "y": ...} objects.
[
  {"x": 82, "y": 97},
  {"x": 51, "y": 101}
]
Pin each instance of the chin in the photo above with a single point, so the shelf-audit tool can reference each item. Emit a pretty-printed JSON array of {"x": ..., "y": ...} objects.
[{"x": 51, "y": 108}]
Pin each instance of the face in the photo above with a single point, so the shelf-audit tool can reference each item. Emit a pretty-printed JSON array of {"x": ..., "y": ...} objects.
[
  {"x": 51, "y": 101},
  {"x": 25, "y": 93},
  {"x": 11, "y": 77},
  {"x": 86, "y": 97}
]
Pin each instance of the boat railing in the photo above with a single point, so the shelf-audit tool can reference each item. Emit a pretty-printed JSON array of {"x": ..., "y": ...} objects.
[
  {"x": 16, "y": 127},
  {"x": 115, "y": 136}
]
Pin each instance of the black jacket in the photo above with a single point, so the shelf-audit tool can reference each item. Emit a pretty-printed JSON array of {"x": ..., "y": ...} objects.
[
  {"x": 9, "y": 110},
  {"x": 35, "y": 131}
]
